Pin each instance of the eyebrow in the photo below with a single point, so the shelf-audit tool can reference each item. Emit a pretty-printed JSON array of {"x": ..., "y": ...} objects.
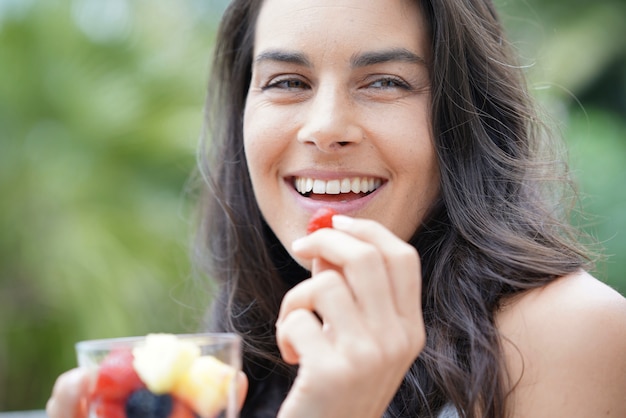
[
  {"x": 388, "y": 55},
  {"x": 288, "y": 57},
  {"x": 358, "y": 60}
]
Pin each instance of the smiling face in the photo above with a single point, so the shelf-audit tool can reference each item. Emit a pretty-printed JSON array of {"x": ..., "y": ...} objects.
[{"x": 337, "y": 114}]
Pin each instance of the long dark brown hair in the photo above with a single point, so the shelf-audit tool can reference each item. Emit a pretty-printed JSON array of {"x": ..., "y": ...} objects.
[{"x": 497, "y": 229}]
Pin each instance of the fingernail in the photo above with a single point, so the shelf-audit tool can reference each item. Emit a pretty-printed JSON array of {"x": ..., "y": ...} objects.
[{"x": 342, "y": 221}]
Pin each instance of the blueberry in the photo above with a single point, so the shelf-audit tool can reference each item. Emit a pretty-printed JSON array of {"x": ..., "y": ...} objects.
[{"x": 144, "y": 404}]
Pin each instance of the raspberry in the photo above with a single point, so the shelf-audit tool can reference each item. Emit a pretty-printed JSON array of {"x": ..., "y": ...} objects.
[
  {"x": 144, "y": 404},
  {"x": 322, "y": 218}
]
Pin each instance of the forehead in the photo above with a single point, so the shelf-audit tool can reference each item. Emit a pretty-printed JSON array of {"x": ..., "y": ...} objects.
[{"x": 328, "y": 25}]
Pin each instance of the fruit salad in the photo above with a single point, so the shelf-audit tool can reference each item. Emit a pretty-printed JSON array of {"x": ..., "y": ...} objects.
[{"x": 166, "y": 377}]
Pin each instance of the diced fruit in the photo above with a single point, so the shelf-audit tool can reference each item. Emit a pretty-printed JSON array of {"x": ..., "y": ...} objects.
[
  {"x": 322, "y": 218},
  {"x": 109, "y": 409},
  {"x": 205, "y": 386},
  {"x": 181, "y": 410},
  {"x": 145, "y": 404},
  {"x": 116, "y": 378},
  {"x": 162, "y": 359}
]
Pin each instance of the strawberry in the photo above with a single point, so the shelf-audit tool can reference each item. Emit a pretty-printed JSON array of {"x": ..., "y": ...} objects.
[
  {"x": 117, "y": 378},
  {"x": 322, "y": 218},
  {"x": 109, "y": 409}
]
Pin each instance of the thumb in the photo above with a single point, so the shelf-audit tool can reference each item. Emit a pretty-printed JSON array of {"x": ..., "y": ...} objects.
[{"x": 242, "y": 389}]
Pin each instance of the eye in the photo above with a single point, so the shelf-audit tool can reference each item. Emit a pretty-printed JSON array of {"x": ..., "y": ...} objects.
[
  {"x": 389, "y": 83},
  {"x": 287, "y": 83}
]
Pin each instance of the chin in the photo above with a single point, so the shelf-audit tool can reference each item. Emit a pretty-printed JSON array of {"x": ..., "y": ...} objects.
[{"x": 305, "y": 264}]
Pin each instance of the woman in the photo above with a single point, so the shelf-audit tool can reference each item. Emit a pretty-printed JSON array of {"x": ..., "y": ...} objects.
[{"x": 449, "y": 285}]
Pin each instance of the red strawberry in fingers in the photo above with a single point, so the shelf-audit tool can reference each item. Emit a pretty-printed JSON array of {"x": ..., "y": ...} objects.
[{"x": 322, "y": 218}]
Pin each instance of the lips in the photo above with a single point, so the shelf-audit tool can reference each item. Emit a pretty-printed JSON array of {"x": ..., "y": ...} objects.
[{"x": 347, "y": 185}]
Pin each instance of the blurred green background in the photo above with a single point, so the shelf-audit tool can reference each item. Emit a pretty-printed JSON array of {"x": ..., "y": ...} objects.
[{"x": 100, "y": 112}]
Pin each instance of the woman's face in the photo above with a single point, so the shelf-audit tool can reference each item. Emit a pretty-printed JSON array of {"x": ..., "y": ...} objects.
[{"x": 337, "y": 114}]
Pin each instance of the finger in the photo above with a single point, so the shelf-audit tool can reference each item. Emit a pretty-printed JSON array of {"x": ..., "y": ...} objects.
[
  {"x": 401, "y": 260},
  {"x": 299, "y": 335},
  {"x": 329, "y": 296},
  {"x": 362, "y": 266},
  {"x": 319, "y": 265},
  {"x": 242, "y": 389},
  {"x": 70, "y": 394}
]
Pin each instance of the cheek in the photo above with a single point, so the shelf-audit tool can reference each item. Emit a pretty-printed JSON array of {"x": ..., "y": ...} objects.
[
  {"x": 268, "y": 137},
  {"x": 257, "y": 143},
  {"x": 424, "y": 171},
  {"x": 417, "y": 169},
  {"x": 265, "y": 144},
  {"x": 410, "y": 145},
  {"x": 262, "y": 130}
]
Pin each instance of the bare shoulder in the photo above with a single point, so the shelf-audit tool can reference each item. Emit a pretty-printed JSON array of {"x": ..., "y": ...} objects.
[{"x": 565, "y": 349}]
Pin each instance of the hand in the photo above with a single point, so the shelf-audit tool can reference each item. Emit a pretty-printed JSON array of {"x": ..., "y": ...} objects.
[
  {"x": 70, "y": 394},
  {"x": 356, "y": 326}
]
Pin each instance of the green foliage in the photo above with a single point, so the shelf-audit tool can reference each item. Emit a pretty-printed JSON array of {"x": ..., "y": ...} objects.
[
  {"x": 99, "y": 121},
  {"x": 598, "y": 153},
  {"x": 576, "y": 57},
  {"x": 100, "y": 111}
]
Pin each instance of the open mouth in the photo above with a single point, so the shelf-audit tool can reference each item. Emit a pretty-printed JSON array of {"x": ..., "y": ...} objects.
[{"x": 344, "y": 189}]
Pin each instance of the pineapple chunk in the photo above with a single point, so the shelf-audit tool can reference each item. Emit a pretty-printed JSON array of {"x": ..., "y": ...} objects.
[
  {"x": 205, "y": 386},
  {"x": 162, "y": 360}
]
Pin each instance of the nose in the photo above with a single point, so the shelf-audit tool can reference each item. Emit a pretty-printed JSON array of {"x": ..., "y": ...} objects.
[{"x": 330, "y": 121}]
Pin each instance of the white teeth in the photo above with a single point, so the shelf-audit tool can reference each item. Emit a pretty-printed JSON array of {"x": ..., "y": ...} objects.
[
  {"x": 364, "y": 184},
  {"x": 345, "y": 185},
  {"x": 319, "y": 186},
  {"x": 333, "y": 187},
  {"x": 355, "y": 185}
]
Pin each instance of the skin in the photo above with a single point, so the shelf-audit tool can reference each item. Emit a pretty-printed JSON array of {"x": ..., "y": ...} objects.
[
  {"x": 565, "y": 350},
  {"x": 330, "y": 110},
  {"x": 331, "y": 113},
  {"x": 318, "y": 108}
]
